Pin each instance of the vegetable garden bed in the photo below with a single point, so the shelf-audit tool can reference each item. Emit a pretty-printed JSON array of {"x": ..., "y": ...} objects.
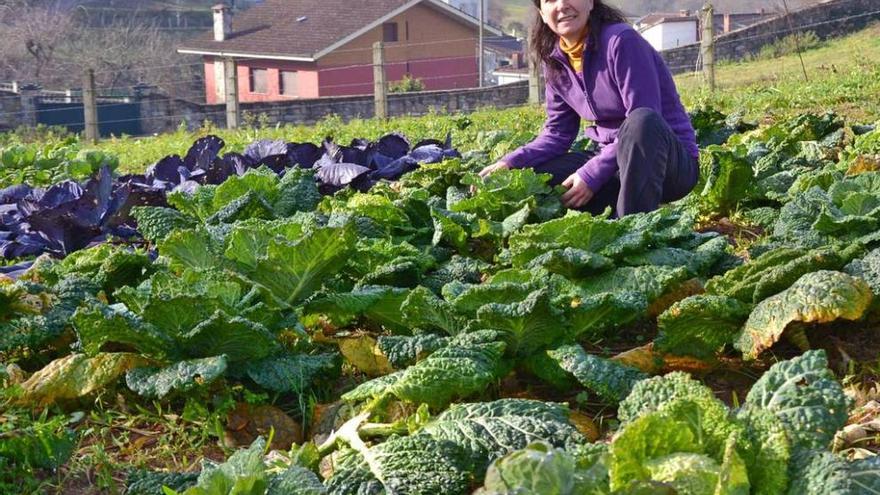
[{"x": 387, "y": 322}]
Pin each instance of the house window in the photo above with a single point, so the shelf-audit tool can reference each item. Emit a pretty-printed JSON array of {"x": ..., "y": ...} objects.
[
  {"x": 287, "y": 83},
  {"x": 259, "y": 81},
  {"x": 389, "y": 32}
]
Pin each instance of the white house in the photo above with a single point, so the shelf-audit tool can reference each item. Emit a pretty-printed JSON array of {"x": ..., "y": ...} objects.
[
  {"x": 505, "y": 59},
  {"x": 665, "y": 31},
  {"x": 507, "y": 75}
]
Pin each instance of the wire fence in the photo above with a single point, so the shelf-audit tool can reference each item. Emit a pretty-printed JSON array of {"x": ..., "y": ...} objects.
[
  {"x": 267, "y": 61},
  {"x": 740, "y": 42},
  {"x": 271, "y": 109},
  {"x": 799, "y": 28},
  {"x": 392, "y": 46},
  {"x": 278, "y": 112},
  {"x": 335, "y": 80}
]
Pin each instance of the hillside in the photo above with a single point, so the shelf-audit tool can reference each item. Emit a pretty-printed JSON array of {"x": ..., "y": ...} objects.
[{"x": 844, "y": 76}]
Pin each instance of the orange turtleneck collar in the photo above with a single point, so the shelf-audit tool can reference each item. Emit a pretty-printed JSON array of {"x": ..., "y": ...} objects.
[{"x": 575, "y": 52}]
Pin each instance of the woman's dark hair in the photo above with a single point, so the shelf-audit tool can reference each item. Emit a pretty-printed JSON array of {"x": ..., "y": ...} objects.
[{"x": 543, "y": 40}]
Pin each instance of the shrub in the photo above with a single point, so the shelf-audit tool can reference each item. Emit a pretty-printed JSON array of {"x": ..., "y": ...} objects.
[{"x": 406, "y": 85}]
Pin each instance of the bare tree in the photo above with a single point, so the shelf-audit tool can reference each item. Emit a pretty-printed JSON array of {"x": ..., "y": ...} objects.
[
  {"x": 31, "y": 38},
  {"x": 130, "y": 54},
  {"x": 50, "y": 43}
]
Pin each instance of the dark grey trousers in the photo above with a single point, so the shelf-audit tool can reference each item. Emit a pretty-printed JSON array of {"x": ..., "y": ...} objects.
[{"x": 653, "y": 167}]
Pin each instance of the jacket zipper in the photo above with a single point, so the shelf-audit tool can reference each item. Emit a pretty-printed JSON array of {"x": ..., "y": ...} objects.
[{"x": 582, "y": 83}]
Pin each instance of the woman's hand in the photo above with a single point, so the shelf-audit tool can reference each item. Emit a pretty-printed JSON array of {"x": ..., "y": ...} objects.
[
  {"x": 491, "y": 169},
  {"x": 578, "y": 193}
]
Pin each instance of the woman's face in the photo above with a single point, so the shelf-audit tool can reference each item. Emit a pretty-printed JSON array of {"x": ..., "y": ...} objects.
[{"x": 566, "y": 18}]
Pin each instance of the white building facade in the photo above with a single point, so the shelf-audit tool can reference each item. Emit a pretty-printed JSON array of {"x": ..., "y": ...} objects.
[
  {"x": 507, "y": 76},
  {"x": 671, "y": 33}
]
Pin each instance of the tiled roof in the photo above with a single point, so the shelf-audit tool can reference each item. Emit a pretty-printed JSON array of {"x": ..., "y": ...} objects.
[
  {"x": 273, "y": 28},
  {"x": 737, "y": 21},
  {"x": 512, "y": 70},
  {"x": 297, "y": 28},
  {"x": 659, "y": 18},
  {"x": 504, "y": 44}
]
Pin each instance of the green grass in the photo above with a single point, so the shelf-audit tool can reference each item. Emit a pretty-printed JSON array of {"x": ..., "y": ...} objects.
[
  {"x": 516, "y": 11},
  {"x": 844, "y": 77},
  {"x": 136, "y": 153},
  {"x": 119, "y": 433}
]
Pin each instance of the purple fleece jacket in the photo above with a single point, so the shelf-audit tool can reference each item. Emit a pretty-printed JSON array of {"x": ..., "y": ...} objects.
[{"x": 621, "y": 74}]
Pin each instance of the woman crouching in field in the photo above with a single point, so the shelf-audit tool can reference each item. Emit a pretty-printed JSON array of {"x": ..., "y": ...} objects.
[{"x": 598, "y": 68}]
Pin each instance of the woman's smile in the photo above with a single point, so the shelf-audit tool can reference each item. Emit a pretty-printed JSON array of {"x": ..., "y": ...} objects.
[{"x": 566, "y": 18}]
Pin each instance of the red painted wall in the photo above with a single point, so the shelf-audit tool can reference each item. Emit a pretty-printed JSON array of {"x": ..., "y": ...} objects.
[
  {"x": 210, "y": 86},
  {"x": 445, "y": 73},
  {"x": 449, "y": 73},
  {"x": 307, "y": 80},
  {"x": 433, "y": 46}
]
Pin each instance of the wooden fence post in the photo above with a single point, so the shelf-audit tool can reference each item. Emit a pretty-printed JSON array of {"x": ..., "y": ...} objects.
[
  {"x": 534, "y": 79},
  {"x": 230, "y": 74},
  {"x": 28, "y": 94},
  {"x": 380, "y": 86},
  {"x": 480, "y": 49},
  {"x": 707, "y": 47},
  {"x": 90, "y": 107}
]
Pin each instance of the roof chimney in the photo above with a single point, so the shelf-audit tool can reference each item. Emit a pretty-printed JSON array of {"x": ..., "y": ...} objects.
[
  {"x": 517, "y": 60},
  {"x": 222, "y": 22}
]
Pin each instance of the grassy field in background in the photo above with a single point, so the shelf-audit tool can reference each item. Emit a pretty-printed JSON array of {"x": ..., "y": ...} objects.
[{"x": 844, "y": 76}]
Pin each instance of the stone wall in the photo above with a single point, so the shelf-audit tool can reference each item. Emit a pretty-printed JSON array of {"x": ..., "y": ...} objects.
[
  {"x": 161, "y": 114},
  {"x": 827, "y": 20},
  {"x": 10, "y": 110}
]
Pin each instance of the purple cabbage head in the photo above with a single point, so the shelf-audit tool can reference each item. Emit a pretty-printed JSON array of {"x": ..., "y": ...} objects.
[
  {"x": 392, "y": 145},
  {"x": 304, "y": 155},
  {"x": 258, "y": 150},
  {"x": 70, "y": 216},
  {"x": 203, "y": 152}
]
